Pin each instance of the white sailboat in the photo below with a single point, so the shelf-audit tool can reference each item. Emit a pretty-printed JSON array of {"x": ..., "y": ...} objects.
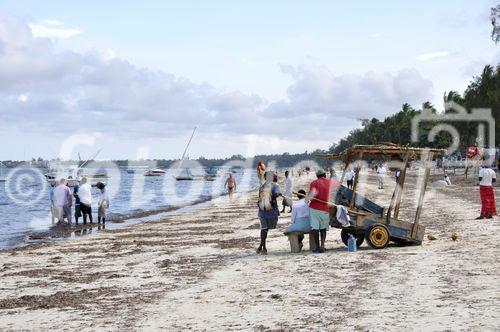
[{"x": 188, "y": 175}]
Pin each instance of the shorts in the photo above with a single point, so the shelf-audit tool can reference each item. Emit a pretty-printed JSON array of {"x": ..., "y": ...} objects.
[
  {"x": 319, "y": 219},
  {"x": 62, "y": 212},
  {"x": 350, "y": 183},
  {"x": 268, "y": 223},
  {"x": 85, "y": 209},
  {"x": 78, "y": 212}
]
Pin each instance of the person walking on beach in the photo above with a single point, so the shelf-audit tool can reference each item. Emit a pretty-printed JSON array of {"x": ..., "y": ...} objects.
[
  {"x": 62, "y": 199},
  {"x": 487, "y": 177},
  {"x": 381, "y": 171},
  {"x": 287, "y": 198},
  {"x": 319, "y": 211},
  {"x": 350, "y": 178},
  {"x": 268, "y": 208},
  {"x": 85, "y": 194},
  {"x": 230, "y": 185},
  {"x": 103, "y": 202},
  {"x": 261, "y": 171}
]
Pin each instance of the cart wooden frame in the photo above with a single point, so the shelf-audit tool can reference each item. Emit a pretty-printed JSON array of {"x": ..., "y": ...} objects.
[{"x": 370, "y": 221}]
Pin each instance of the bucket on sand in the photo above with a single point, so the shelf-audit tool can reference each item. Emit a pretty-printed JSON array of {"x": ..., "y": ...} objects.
[{"x": 351, "y": 244}]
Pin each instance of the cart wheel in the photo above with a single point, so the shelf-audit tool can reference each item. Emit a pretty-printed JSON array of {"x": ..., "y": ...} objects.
[
  {"x": 344, "y": 234},
  {"x": 377, "y": 236}
]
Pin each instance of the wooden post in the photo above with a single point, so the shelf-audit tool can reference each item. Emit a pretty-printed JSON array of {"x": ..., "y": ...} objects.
[
  {"x": 401, "y": 184},
  {"x": 427, "y": 172},
  {"x": 355, "y": 184},
  {"x": 312, "y": 242},
  {"x": 294, "y": 242}
]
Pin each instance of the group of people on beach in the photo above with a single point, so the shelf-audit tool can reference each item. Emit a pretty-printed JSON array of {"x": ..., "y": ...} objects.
[
  {"x": 61, "y": 199},
  {"x": 310, "y": 212}
]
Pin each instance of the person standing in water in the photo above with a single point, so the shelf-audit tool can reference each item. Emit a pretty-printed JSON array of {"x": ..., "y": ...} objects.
[
  {"x": 230, "y": 185},
  {"x": 85, "y": 194},
  {"x": 62, "y": 200},
  {"x": 78, "y": 213},
  {"x": 103, "y": 203}
]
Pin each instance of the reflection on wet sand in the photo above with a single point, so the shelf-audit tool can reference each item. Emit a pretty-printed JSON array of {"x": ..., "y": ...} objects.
[{"x": 65, "y": 231}]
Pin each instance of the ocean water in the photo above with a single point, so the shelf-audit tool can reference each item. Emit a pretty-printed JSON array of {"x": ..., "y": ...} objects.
[{"x": 25, "y": 204}]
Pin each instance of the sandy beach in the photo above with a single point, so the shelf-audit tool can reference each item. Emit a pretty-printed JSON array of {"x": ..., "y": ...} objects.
[{"x": 199, "y": 271}]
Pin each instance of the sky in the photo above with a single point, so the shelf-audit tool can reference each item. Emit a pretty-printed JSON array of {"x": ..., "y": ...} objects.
[{"x": 260, "y": 77}]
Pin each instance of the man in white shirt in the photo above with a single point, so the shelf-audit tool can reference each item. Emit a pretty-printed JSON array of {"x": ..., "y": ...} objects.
[
  {"x": 487, "y": 177},
  {"x": 85, "y": 194},
  {"x": 350, "y": 178},
  {"x": 381, "y": 171},
  {"x": 62, "y": 200},
  {"x": 287, "y": 197},
  {"x": 300, "y": 217}
]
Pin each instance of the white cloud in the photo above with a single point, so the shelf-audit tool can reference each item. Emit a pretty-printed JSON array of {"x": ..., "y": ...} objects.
[
  {"x": 431, "y": 55},
  {"x": 99, "y": 92},
  {"x": 22, "y": 98},
  {"x": 53, "y": 29},
  {"x": 376, "y": 35},
  {"x": 316, "y": 91},
  {"x": 51, "y": 22}
]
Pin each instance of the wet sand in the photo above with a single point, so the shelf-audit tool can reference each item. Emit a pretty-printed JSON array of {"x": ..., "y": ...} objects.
[{"x": 199, "y": 271}]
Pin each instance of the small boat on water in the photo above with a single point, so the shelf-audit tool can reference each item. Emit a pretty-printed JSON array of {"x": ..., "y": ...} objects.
[
  {"x": 154, "y": 172},
  {"x": 74, "y": 173},
  {"x": 189, "y": 176}
]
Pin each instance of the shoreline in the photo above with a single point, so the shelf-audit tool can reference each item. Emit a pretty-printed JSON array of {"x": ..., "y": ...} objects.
[{"x": 56, "y": 233}]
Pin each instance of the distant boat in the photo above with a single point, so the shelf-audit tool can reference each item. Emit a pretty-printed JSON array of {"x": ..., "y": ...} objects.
[
  {"x": 74, "y": 173},
  {"x": 154, "y": 172},
  {"x": 189, "y": 176},
  {"x": 130, "y": 171}
]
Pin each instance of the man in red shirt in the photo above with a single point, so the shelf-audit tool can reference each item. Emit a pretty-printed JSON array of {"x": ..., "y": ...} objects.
[{"x": 319, "y": 195}]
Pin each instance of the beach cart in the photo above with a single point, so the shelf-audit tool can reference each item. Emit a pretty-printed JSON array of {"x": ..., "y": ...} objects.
[{"x": 376, "y": 224}]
